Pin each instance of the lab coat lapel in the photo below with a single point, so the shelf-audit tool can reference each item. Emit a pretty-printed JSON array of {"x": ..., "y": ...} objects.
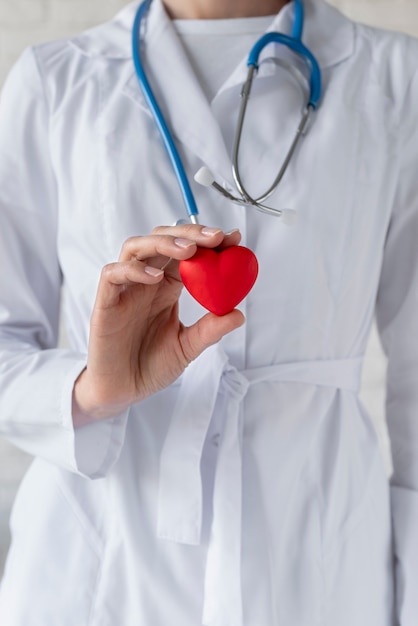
[{"x": 180, "y": 97}]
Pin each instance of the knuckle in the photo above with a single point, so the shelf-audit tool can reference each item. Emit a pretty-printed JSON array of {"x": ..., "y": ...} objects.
[
  {"x": 190, "y": 346},
  {"x": 108, "y": 270},
  {"x": 186, "y": 355},
  {"x": 129, "y": 245},
  {"x": 192, "y": 230}
]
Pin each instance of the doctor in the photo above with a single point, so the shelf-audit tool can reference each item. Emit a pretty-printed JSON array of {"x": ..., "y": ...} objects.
[{"x": 190, "y": 469}]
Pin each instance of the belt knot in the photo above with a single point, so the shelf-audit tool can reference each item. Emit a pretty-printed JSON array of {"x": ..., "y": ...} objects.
[{"x": 234, "y": 384}]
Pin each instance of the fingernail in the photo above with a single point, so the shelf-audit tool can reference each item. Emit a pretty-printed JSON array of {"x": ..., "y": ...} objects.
[
  {"x": 210, "y": 231},
  {"x": 184, "y": 243},
  {"x": 153, "y": 271},
  {"x": 232, "y": 232}
]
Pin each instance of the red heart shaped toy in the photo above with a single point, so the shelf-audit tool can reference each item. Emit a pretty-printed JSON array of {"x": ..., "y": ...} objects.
[{"x": 220, "y": 279}]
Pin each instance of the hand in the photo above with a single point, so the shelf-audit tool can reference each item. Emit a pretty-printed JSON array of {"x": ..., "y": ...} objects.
[{"x": 138, "y": 345}]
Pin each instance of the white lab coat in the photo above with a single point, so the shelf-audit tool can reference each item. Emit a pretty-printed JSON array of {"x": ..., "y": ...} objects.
[{"x": 252, "y": 491}]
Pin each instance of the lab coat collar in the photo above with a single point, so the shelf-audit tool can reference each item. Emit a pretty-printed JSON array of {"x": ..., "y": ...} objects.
[
  {"x": 179, "y": 94},
  {"x": 328, "y": 34}
]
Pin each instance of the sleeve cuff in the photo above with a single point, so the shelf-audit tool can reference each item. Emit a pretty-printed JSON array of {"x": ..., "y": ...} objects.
[
  {"x": 40, "y": 422},
  {"x": 93, "y": 448},
  {"x": 97, "y": 446}
]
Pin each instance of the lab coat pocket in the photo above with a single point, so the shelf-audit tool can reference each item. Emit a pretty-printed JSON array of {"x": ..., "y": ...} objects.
[
  {"x": 55, "y": 557},
  {"x": 356, "y": 533},
  {"x": 358, "y": 571}
]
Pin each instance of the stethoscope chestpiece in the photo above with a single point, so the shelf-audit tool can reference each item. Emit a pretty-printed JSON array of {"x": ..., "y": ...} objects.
[{"x": 205, "y": 178}]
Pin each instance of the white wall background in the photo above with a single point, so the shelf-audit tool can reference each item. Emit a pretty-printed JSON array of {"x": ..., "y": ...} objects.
[{"x": 26, "y": 22}]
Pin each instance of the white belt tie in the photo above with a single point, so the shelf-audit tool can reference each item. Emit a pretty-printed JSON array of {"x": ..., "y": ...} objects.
[{"x": 180, "y": 496}]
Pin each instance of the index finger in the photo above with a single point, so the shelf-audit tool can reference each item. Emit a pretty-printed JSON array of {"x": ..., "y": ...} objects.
[{"x": 202, "y": 235}]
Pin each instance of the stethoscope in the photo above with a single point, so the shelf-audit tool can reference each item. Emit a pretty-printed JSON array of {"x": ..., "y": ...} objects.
[{"x": 204, "y": 176}]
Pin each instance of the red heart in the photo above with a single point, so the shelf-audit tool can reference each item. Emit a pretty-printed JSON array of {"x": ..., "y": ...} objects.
[{"x": 220, "y": 279}]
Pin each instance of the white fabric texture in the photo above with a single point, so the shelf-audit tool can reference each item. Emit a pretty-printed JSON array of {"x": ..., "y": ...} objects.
[
  {"x": 215, "y": 47},
  {"x": 252, "y": 491}
]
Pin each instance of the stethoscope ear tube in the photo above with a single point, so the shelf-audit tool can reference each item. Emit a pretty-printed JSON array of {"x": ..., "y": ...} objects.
[
  {"x": 170, "y": 147},
  {"x": 297, "y": 46},
  {"x": 312, "y": 103},
  {"x": 297, "y": 30}
]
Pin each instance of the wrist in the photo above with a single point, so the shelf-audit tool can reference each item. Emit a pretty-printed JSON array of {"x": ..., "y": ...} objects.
[{"x": 88, "y": 407}]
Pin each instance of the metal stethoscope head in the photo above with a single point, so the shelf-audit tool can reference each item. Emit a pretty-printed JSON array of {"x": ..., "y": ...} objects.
[{"x": 204, "y": 176}]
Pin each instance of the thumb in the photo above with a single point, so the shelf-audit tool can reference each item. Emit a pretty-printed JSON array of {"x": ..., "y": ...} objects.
[{"x": 207, "y": 331}]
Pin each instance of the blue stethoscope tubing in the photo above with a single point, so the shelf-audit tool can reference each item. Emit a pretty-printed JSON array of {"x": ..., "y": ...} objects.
[
  {"x": 293, "y": 42},
  {"x": 188, "y": 197}
]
